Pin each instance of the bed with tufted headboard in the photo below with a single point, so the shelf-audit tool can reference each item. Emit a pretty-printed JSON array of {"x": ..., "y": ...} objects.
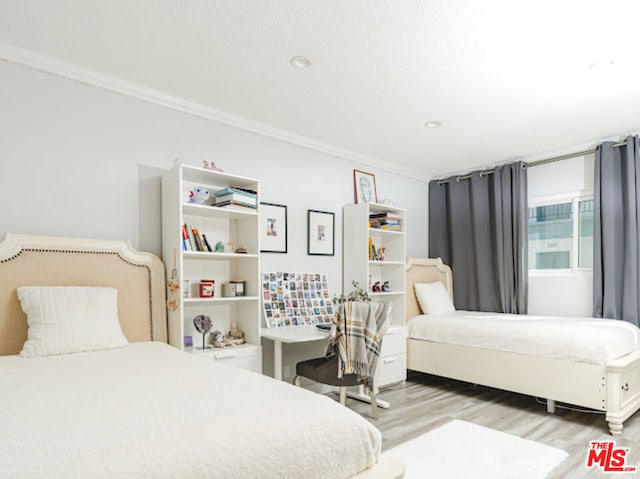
[
  {"x": 141, "y": 408},
  {"x": 524, "y": 363},
  {"x": 47, "y": 260}
]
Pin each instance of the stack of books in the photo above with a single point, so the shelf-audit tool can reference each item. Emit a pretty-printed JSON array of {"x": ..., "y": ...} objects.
[
  {"x": 376, "y": 254},
  {"x": 386, "y": 221},
  {"x": 234, "y": 197},
  {"x": 193, "y": 240}
]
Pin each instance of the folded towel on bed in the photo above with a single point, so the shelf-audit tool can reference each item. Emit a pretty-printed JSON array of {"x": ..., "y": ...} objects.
[{"x": 356, "y": 337}]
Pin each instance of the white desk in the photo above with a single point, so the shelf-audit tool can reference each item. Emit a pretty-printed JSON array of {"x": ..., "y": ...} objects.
[
  {"x": 304, "y": 334},
  {"x": 290, "y": 334}
]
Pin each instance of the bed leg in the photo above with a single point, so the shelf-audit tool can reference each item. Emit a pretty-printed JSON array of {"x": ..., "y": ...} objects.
[
  {"x": 616, "y": 428},
  {"x": 551, "y": 406},
  {"x": 343, "y": 395},
  {"x": 296, "y": 381}
]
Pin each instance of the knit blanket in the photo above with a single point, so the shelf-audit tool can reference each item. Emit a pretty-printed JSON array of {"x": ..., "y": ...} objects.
[{"x": 356, "y": 337}]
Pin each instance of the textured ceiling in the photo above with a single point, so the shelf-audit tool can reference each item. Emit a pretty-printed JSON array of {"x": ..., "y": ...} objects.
[{"x": 506, "y": 78}]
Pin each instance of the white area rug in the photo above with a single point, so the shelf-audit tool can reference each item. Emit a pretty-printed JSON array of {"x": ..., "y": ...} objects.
[{"x": 463, "y": 450}]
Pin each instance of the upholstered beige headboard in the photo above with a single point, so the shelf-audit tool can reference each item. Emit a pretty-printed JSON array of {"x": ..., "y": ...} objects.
[
  {"x": 56, "y": 261},
  {"x": 421, "y": 270}
]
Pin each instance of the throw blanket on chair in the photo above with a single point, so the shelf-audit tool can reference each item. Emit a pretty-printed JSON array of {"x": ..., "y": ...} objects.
[{"x": 356, "y": 337}]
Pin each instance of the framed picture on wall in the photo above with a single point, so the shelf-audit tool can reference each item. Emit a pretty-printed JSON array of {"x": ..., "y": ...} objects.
[
  {"x": 320, "y": 233},
  {"x": 273, "y": 228},
  {"x": 364, "y": 185}
]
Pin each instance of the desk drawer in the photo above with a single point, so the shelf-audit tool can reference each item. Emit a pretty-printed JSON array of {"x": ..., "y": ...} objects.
[
  {"x": 392, "y": 369},
  {"x": 393, "y": 344},
  {"x": 245, "y": 357},
  {"x": 252, "y": 362}
]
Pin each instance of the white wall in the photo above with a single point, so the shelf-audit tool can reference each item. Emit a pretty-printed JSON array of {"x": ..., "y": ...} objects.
[
  {"x": 81, "y": 161},
  {"x": 561, "y": 293}
]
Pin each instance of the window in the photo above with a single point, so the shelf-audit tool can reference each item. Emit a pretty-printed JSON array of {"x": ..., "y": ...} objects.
[
  {"x": 561, "y": 235},
  {"x": 585, "y": 231}
]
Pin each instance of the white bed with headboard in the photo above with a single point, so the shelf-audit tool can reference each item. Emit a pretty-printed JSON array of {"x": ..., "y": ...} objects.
[
  {"x": 611, "y": 385},
  {"x": 137, "y": 407}
]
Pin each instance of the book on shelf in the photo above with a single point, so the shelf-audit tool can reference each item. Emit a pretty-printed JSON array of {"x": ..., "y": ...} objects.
[
  {"x": 376, "y": 254},
  {"x": 234, "y": 190},
  {"x": 234, "y": 205},
  {"x": 191, "y": 243},
  {"x": 386, "y": 214},
  {"x": 198, "y": 239},
  {"x": 193, "y": 240},
  {"x": 237, "y": 199},
  {"x": 206, "y": 243},
  {"x": 186, "y": 245},
  {"x": 386, "y": 221}
]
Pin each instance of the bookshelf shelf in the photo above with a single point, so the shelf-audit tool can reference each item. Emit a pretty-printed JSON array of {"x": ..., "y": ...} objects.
[
  {"x": 387, "y": 293},
  {"x": 223, "y": 352},
  {"x": 380, "y": 231},
  {"x": 218, "y": 256},
  {"x": 223, "y": 299},
  {"x": 196, "y": 174},
  {"x": 233, "y": 227},
  {"x": 215, "y": 212}
]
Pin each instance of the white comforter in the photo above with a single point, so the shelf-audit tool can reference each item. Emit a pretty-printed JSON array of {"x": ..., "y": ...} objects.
[
  {"x": 150, "y": 411},
  {"x": 586, "y": 340}
]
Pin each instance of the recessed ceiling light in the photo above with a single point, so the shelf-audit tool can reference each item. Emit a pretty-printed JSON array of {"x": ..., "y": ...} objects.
[
  {"x": 300, "y": 62},
  {"x": 433, "y": 124}
]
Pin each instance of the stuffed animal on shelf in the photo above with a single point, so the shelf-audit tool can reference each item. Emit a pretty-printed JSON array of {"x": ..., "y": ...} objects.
[
  {"x": 199, "y": 195},
  {"x": 217, "y": 339},
  {"x": 376, "y": 287}
]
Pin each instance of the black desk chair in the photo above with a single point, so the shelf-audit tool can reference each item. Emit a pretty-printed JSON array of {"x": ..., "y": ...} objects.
[
  {"x": 360, "y": 326},
  {"x": 325, "y": 371}
]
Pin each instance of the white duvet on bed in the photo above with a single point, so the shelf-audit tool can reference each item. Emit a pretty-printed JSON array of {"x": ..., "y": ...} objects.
[
  {"x": 587, "y": 340},
  {"x": 150, "y": 411}
]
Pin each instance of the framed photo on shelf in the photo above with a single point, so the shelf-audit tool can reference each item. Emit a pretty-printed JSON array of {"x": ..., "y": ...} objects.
[
  {"x": 273, "y": 228},
  {"x": 320, "y": 233},
  {"x": 364, "y": 185}
]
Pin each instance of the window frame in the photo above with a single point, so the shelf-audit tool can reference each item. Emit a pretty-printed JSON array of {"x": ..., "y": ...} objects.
[{"x": 574, "y": 198}]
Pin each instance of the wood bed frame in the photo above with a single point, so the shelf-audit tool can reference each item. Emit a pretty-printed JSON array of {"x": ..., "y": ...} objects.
[
  {"x": 613, "y": 388},
  {"x": 138, "y": 277}
]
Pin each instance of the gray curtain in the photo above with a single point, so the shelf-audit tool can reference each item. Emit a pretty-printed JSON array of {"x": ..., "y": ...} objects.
[
  {"x": 478, "y": 226},
  {"x": 616, "y": 231}
]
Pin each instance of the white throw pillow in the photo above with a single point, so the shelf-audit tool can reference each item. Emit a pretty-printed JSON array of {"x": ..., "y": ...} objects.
[
  {"x": 433, "y": 298},
  {"x": 70, "y": 319}
]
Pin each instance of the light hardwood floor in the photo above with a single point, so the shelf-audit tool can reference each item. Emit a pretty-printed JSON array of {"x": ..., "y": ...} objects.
[{"x": 425, "y": 402}]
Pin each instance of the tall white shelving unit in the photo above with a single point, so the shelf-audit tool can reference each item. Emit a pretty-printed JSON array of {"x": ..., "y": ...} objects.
[
  {"x": 238, "y": 226},
  {"x": 366, "y": 272}
]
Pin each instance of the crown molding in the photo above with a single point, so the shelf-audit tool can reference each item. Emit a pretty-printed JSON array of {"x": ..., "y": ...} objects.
[{"x": 71, "y": 71}]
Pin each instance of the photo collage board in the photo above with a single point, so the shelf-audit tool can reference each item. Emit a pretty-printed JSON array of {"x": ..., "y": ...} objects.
[{"x": 296, "y": 299}]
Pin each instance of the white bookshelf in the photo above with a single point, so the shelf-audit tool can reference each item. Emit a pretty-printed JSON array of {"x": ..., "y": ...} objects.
[
  {"x": 357, "y": 266},
  {"x": 238, "y": 226}
]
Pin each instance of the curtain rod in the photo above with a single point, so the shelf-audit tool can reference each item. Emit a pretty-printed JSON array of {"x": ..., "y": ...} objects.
[
  {"x": 533, "y": 163},
  {"x": 570, "y": 155}
]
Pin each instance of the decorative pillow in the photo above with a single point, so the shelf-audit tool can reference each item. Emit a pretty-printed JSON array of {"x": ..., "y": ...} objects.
[
  {"x": 433, "y": 298},
  {"x": 70, "y": 319}
]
